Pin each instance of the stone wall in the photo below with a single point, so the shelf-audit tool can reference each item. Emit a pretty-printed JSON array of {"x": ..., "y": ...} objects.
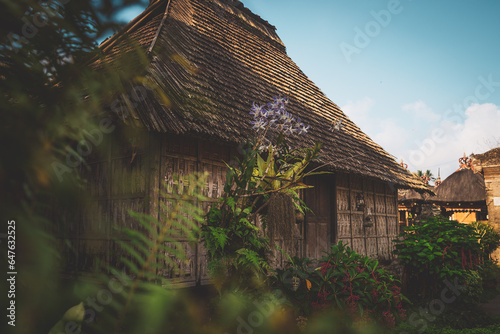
[{"x": 492, "y": 183}]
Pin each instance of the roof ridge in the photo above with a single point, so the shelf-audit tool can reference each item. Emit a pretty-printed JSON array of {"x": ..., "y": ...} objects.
[
  {"x": 252, "y": 20},
  {"x": 109, "y": 42},
  {"x": 241, "y": 6},
  {"x": 153, "y": 42}
]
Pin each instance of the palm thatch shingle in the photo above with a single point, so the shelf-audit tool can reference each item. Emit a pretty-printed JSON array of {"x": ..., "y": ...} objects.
[{"x": 413, "y": 196}]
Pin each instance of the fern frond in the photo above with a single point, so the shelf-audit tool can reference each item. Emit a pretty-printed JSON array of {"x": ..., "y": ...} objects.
[
  {"x": 250, "y": 256},
  {"x": 146, "y": 221},
  {"x": 142, "y": 243},
  {"x": 132, "y": 266},
  {"x": 131, "y": 251}
]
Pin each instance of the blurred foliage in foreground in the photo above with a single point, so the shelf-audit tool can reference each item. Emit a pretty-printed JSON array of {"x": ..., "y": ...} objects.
[
  {"x": 159, "y": 310},
  {"x": 50, "y": 101}
]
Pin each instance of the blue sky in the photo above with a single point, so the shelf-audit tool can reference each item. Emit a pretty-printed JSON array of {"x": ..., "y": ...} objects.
[{"x": 421, "y": 77}]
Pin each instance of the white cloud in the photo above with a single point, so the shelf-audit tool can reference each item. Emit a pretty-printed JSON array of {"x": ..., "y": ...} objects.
[
  {"x": 421, "y": 111},
  {"x": 359, "y": 111},
  {"x": 386, "y": 132},
  {"x": 426, "y": 140},
  {"x": 392, "y": 137},
  {"x": 482, "y": 127},
  {"x": 479, "y": 132}
]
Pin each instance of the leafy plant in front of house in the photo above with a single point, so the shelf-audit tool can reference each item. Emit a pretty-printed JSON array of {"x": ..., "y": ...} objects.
[
  {"x": 489, "y": 239},
  {"x": 344, "y": 280},
  {"x": 261, "y": 186},
  {"x": 237, "y": 251},
  {"x": 435, "y": 252}
]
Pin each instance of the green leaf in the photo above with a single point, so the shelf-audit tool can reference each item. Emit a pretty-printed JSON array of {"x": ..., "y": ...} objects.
[
  {"x": 231, "y": 202},
  {"x": 132, "y": 252},
  {"x": 220, "y": 236},
  {"x": 261, "y": 165},
  {"x": 74, "y": 315}
]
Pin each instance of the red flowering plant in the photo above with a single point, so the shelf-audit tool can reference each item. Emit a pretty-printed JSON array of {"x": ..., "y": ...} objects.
[{"x": 345, "y": 281}]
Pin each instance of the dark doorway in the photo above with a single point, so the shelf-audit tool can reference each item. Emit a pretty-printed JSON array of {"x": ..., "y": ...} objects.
[{"x": 320, "y": 224}]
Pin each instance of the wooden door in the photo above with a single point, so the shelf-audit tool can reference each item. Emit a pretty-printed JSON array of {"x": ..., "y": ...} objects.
[{"x": 319, "y": 225}]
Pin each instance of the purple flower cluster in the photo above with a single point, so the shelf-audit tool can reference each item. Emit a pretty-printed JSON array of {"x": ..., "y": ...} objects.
[{"x": 274, "y": 115}]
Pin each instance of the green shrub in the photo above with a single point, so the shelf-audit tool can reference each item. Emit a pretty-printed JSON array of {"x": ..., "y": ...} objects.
[
  {"x": 344, "y": 280},
  {"x": 489, "y": 239},
  {"x": 437, "y": 251},
  {"x": 490, "y": 273},
  {"x": 474, "y": 283}
]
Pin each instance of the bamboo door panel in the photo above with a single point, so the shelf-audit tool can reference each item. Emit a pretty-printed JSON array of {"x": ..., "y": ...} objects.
[
  {"x": 371, "y": 247},
  {"x": 358, "y": 245},
  {"x": 369, "y": 229},
  {"x": 384, "y": 251},
  {"x": 97, "y": 179},
  {"x": 318, "y": 223},
  {"x": 381, "y": 222},
  {"x": 358, "y": 230},
  {"x": 343, "y": 225}
]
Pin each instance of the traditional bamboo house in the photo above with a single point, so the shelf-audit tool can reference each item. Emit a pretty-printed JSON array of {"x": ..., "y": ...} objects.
[
  {"x": 410, "y": 201},
  {"x": 410, "y": 204},
  {"x": 462, "y": 195},
  {"x": 212, "y": 59}
]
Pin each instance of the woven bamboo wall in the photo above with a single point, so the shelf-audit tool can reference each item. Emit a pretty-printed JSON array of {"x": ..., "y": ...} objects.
[
  {"x": 336, "y": 216},
  {"x": 126, "y": 175},
  {"x": 116, "y": 180},
  {"x": 369, "y": 230}
]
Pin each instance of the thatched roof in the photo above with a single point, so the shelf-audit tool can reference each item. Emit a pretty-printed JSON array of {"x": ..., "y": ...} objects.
[
  {"x": 214, "y": 58},
  {"x": 410, "y": 195},
  {"x": 490, "y": 158},
  {"x": 463, "y": 186}
]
